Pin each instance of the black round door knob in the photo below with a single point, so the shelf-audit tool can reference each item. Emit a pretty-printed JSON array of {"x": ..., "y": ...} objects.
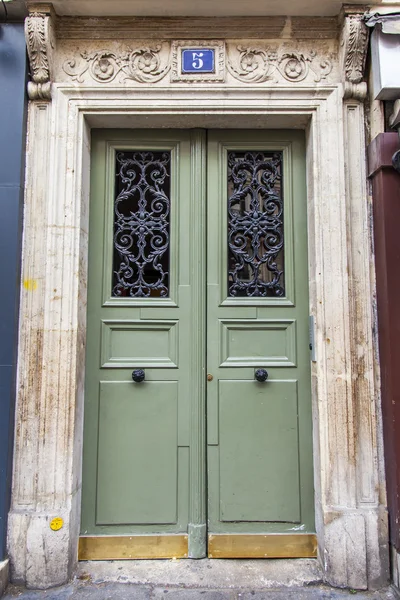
[
  {"x": 138, "y": 375},
  {"x": 261, "y": 375}
]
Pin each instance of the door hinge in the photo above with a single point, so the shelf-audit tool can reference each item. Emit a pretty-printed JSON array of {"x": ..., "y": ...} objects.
[{"x": 311, "y": 328}]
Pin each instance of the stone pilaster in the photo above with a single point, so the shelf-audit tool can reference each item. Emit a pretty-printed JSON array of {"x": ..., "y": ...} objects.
[
  {"x": 355, "y": 519},
  {"x": 42, "y": 554}
]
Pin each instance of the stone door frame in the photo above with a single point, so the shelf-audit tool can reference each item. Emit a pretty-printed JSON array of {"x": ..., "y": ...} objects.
[{"x": 350, "y": 496}]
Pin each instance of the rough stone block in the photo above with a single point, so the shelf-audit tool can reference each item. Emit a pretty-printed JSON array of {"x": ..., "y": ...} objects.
[{"x": 3, "y": 576}]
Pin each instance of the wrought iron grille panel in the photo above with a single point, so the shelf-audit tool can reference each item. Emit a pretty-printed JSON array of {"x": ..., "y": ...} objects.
[
  {"x": 255, "y": 224},
  {"x": 142, "y": 224}
]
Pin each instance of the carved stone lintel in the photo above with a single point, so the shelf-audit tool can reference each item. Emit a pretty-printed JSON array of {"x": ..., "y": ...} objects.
[
  {"x": 40, "y": 44},
  {"x": 354, "y": 46}
]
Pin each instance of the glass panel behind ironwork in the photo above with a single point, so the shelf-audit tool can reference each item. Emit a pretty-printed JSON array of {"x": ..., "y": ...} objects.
[
  {"x": 142, "y": 224},
  {"x": 255, "y": 224}
]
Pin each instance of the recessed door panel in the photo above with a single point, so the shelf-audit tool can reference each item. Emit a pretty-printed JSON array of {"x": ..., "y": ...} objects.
[
  {"x": 268, "y": 343},
  {"x": 135, "y": 343},
  {"x": 137, "y": 454},
  {"x": 259, "y": 466}
]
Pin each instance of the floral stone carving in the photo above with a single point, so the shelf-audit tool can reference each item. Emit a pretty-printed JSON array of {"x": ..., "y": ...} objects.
[
  {"x": 247, "y": 64},
  {"x": 143, "y": 65},
  {"x": 257, "y": 65},
  {"x": 356, "y": 46},
  {"x": 353, "y": 53}
]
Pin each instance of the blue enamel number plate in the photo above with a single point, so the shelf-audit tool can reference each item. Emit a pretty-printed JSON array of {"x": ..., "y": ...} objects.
[{"x": 198, "y": 60}]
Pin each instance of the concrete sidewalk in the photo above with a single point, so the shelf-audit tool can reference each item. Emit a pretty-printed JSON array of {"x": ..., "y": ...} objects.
[
  {"x": 128, "y": 591},
  {"x": 297, "y": 579}
]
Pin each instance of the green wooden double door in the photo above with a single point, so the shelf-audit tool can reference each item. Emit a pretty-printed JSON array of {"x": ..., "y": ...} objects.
[{"x": 198, "y": 430}]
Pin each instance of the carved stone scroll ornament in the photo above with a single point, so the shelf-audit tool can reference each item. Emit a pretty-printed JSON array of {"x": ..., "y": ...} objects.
[
  {"x": 143, "y": 65},
  {"x": 354, "y": 44},
  {"x": 39, "y": 41},
  {"x": 253, "y": 65},
  {"x": 257, "y": 65}
]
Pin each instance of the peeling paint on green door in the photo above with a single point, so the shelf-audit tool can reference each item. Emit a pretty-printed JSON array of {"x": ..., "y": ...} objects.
[{"x": 197, "y": 258}]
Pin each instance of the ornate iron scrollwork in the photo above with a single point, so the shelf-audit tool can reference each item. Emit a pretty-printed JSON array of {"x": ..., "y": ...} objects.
[
  {"x": 141, "y": 224},
  {"x": 255, "y": 224}
]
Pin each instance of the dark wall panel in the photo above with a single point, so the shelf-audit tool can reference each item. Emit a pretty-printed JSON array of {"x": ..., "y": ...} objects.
[
  {"x": 386, "y": 205},
  {"x": 12, "y": 150}
]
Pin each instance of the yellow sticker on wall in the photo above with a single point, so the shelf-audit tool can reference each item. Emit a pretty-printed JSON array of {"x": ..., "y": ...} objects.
[
  {"x": 30, "y": 284},
  {"x": 56, "y": 524}
]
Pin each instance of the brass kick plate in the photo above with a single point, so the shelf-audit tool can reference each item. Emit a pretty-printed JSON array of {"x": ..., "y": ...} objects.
[
  {"x": 262, "y": 546},
  {"x": 108, "y": 547},
  {"x": 176, "y": 546}
]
